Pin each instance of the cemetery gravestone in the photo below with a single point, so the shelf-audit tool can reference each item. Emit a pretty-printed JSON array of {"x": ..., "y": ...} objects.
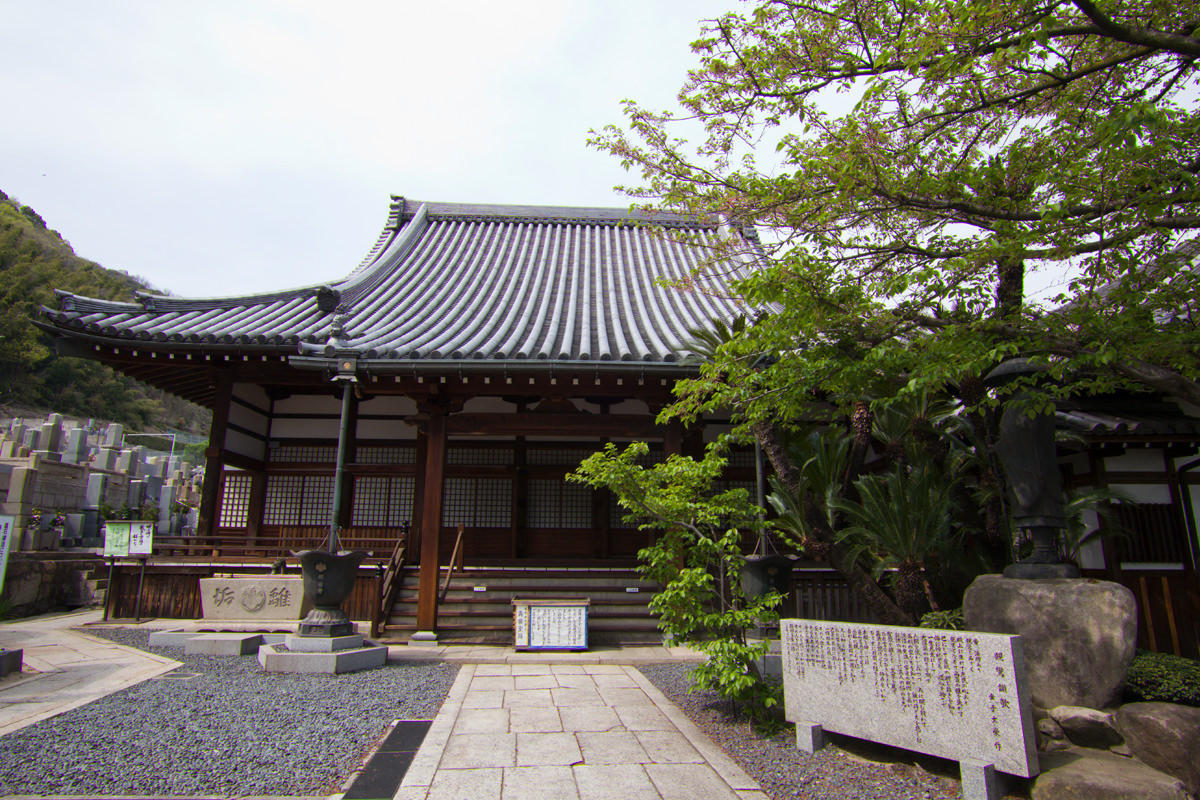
[{"x": 953, "y": 694}]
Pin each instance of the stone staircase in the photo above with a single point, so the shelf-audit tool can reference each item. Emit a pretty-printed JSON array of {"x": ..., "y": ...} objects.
[{"x": 478, "y": 605}]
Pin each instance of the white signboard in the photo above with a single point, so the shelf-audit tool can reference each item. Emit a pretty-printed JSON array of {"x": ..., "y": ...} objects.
[
  {"x": 128, "y": 538},
  {"x": 6, "y": 534},
  {"x": 953, "y": 694},
  {"x": 550, "y": 624},
  {"x": 141, "y": 538}
]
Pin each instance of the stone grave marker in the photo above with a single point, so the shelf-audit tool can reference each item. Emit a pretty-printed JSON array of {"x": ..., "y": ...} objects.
[
  {"x": 953, "y": 694},
  {"x": 112, "y": 436},
  {"x": 105, "y": 459},
  {"x": 51, "y": 438},
  {"x": 75, "y": 451}
]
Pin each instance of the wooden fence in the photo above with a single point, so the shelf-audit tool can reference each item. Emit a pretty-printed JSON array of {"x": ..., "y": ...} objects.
[
  {"x": 173, "y": 591},
  {"x": 825, "y": 595},
  {"x": 1168, "y": 608}
]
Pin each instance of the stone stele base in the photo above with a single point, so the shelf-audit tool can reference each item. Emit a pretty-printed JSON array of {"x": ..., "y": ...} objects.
[
  {"x": 1078, "y": 635},
  {"x": 322, "y": 654}
]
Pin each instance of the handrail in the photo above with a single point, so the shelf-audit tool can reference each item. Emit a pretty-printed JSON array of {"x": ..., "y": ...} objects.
[
  {"x": 390, "y": 585},
  {"x": 456, "y": 559}
]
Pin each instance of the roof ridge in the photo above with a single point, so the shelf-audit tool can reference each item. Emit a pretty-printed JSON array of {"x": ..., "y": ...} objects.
[{"x": 579, "y": 214}]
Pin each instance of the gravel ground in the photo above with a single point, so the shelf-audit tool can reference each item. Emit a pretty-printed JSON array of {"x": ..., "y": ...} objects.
[
  {"x": 833, "y": 773},
  {"x": 231, "y": 730}
]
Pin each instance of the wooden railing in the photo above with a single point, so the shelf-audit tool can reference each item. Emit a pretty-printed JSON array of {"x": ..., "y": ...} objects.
[
  {"x": 389, "y": 585},
  {"x": 456, "y": 563},
  {"x": 275, "y": 542}
]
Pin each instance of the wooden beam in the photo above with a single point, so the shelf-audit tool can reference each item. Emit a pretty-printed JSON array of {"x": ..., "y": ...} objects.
[{"x": 431, "y": 521}]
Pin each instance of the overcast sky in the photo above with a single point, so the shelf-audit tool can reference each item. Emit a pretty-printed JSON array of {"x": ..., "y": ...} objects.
[{"x": 223, "y": 147}]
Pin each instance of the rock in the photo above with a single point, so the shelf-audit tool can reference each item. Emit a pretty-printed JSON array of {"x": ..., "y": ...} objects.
[
  {"x": 1121, "y": 750},
  {"x": 1078, "y": 635},
  {"x": 1096, "y": 775},
  {"x": 1049, "y": 728},
  {"x": 1087, "y": 727},
  {"x": 1166, "y": 736}
]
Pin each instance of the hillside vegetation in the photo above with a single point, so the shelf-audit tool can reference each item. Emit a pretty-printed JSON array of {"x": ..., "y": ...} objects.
[{"x": 34, "y": 261}]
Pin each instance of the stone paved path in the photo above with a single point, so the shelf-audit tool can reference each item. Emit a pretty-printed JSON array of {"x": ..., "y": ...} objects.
[
  {"x": 64, "y": 669},
  {"x": 567, "y": 732}
]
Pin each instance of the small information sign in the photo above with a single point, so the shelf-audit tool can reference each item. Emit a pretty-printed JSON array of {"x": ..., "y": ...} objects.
[
  {"x": 550, "y": 624},
  {"x": 116, "y": 539},
  {"x": 6, "y": 534},
  {"x": 135, "y": 538}
]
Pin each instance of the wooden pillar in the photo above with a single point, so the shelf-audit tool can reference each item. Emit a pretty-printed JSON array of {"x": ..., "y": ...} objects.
[
  {"x": 414, "y": 523},
  {"x": 206, "y": 524},
  {"x": 431, "y": 520},
  {"x": 520, "y": 493},
  {"x": 257, "y": 505}
]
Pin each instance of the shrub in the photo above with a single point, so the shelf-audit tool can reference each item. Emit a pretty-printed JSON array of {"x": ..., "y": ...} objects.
[
  {"x": 1163, "y": 677},
  {"x": 949, "y": 620}
]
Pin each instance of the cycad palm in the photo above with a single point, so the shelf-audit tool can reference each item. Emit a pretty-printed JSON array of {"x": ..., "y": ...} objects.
[{"x": 901, "y": 519}]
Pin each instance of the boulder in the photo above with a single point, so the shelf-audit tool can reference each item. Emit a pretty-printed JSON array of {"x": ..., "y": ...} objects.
[
  {"x": 1050, "y": 728},
  {"x": 1078, "y": 635},
  {"x": 1087, "y": 727},
  {"x": 1095, "y": 774},
  {"x": 1166, "y": 736}
]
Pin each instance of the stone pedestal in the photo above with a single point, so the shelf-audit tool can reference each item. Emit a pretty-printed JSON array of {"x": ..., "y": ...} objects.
[
  {"x": 1078, "y": 635},
  {"x": 322, "y": 654}
]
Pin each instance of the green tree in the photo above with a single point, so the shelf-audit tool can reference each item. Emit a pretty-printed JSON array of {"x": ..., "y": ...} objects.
[
  {"x": 697, "y": 558},
  {"x": 929, "y": 158}
]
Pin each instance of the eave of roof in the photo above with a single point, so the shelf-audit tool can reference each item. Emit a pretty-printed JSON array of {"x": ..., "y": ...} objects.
[{"x": 454, "y": 283}]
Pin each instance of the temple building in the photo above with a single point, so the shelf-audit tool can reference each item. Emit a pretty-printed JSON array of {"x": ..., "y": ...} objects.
[{"x": 488, "y": 350}]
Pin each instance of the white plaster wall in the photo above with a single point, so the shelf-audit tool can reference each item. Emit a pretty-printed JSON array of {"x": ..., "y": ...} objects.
[
  {"x": 304, "y": 429},
  {"x": 238, "y": 442},
  {"x": 392, "y": 405},
  {"x": 250, "y": 420},
  {"x": 631, "y": 406},
  {"x": 309, "y": 404},
  {"x": 253, "y": 394},
  {"x": 1148, "y": 460},
  {"x": 488, "y": 405},
  {"x": 384, "y": 429}
]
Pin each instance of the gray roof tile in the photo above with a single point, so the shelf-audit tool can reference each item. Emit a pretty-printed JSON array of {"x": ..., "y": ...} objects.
[{"x": 453, "y": 282}]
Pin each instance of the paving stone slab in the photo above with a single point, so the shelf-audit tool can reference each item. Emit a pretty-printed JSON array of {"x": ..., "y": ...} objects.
[
  {"x": 478, "y": 750},
  {"x": 172, "y": 638},
  {"x": 540, "y": 783},
  {"x": 547, "y": 750},
  {"x": 223, "y": 644}
]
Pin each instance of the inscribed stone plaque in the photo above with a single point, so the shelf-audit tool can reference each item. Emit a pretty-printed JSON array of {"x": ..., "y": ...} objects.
[
  {"x": 954, "y": 694},
  {"x": 550, "y": 624},
  {"x": 275, "y": 597}
]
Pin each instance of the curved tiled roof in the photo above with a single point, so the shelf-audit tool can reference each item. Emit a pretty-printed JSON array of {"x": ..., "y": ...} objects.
[{"x": 456, "y": 282}]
